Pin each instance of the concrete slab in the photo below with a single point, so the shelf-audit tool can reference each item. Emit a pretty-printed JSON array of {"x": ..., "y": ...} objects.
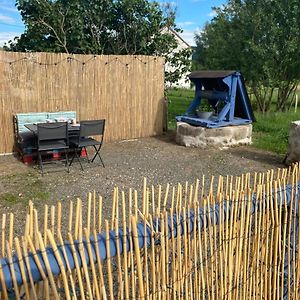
[{"x": 223, "y": 137}]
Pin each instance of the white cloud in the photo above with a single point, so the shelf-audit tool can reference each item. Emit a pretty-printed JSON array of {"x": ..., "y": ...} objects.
[
  {"x": 188, "y": 36},
  {"x": 6, "y": 36},
  {"x": 172, "y": 4},
  {"x": 212, "y": 13},
  {"x": 185, "y": 24},
  {"x": 6, "y": 19},
  {"x": 8, "y": 8}
]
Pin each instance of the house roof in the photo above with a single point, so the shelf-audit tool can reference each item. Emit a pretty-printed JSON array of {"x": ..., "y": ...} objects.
[{"x": 178, "y": 36}]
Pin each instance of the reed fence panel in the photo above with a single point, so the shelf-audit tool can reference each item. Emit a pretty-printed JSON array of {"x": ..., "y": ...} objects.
[{"x": 128, "y": 91}]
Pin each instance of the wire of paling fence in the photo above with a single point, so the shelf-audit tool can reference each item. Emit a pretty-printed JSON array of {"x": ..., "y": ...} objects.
[{"x": 239, "y": 240}]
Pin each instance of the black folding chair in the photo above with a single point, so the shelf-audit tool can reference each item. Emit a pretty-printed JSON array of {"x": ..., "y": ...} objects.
[
  {"x": 52, "y": 136},
  {"x": 88, "y": 129}
]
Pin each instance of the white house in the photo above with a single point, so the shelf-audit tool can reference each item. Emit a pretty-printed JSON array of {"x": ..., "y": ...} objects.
[{"x": 183, "y": 82}]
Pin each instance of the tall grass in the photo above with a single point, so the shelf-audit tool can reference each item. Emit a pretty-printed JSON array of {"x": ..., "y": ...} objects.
[
  {"x": 270, "y": 132},
  {"x": 178, "y": 102}
]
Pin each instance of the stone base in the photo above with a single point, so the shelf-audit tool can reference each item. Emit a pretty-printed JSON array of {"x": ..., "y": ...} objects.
[
  {"x": 293, "y": 154},
  {"x": 222, "y": 137}
]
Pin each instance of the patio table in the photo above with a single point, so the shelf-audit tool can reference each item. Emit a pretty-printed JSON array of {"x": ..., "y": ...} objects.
[{"x": 73, "y": 130}]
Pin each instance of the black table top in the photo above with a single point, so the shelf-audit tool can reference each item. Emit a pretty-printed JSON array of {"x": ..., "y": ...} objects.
[{"x": 72, "y": 128}]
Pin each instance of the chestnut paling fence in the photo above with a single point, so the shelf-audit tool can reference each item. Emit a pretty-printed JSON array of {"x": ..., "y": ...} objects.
[{"x": 229, "y": 238}]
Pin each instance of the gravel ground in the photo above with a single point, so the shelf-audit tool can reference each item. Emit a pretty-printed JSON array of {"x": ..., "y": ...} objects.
[{"x": 158, "y": 159}]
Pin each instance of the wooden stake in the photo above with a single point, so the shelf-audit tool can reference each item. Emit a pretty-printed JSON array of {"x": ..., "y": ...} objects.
[
  {"x": 11, "y": 229},
  {"x": 3, "y": 235},
  {"x": 100, "y": 214},
  {"x": 125, "y": 259},
  {"x": 108, "y": 259},
  {"x": 60, "y": 239},
  {"x": 46, "y": 212},
  {"x": 78, "y": 271},
  {"x": 47, "y": 265},
  {"x": 99, "y": 262},
  {"x": 12, "y": 271},
  {"x": 92, "y": 264},
  {"x": 2, "y": 280},
  {"x": 60, "y": 263},
  {"x": 26, "y": 259},
  {"x": 138, "y": 257},
  {"x": 89, "y": 211}
]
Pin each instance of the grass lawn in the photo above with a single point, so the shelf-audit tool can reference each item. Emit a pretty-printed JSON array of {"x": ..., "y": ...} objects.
[
  {"x": 22, "y": 187},
  {"x": 178, "y": 102},
  {"x": 270, "y": 132}
]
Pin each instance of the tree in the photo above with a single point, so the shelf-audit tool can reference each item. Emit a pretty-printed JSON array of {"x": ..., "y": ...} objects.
[
  {"x": 262, "y": 39},
  {"x": 133, "y": 27}
]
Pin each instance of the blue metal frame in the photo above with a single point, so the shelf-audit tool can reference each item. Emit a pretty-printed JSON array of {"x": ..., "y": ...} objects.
[{"x": 226, "y": 116}]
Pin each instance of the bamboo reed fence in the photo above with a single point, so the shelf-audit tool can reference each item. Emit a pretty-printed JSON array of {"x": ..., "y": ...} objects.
[
  {"x": 237, "y": 239},
  {"x": 127, "y": 91}
]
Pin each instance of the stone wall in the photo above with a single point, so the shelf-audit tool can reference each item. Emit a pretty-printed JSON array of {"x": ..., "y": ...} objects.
[
  {"x": 293, "y": 154},
  {"x": 222, "y": 137}
]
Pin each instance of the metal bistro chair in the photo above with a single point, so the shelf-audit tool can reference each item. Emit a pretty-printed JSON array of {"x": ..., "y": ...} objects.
[
  {"x": 52, "y": 136},
  {"x": 88, "y": 129}
]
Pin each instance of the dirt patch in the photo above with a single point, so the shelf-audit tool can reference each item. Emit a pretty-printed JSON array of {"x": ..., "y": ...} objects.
[{"x": 160, "y": 160}]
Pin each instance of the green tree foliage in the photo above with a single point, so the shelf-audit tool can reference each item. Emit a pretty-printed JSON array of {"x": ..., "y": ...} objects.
[
  {"x": 262, "y": 39},
  {"x": 133, "y": 27}
]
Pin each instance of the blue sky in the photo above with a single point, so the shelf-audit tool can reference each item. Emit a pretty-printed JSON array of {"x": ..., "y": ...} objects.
[
  {"x": 193, "y": 14},
  {"x": 191, "y": 17}
]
